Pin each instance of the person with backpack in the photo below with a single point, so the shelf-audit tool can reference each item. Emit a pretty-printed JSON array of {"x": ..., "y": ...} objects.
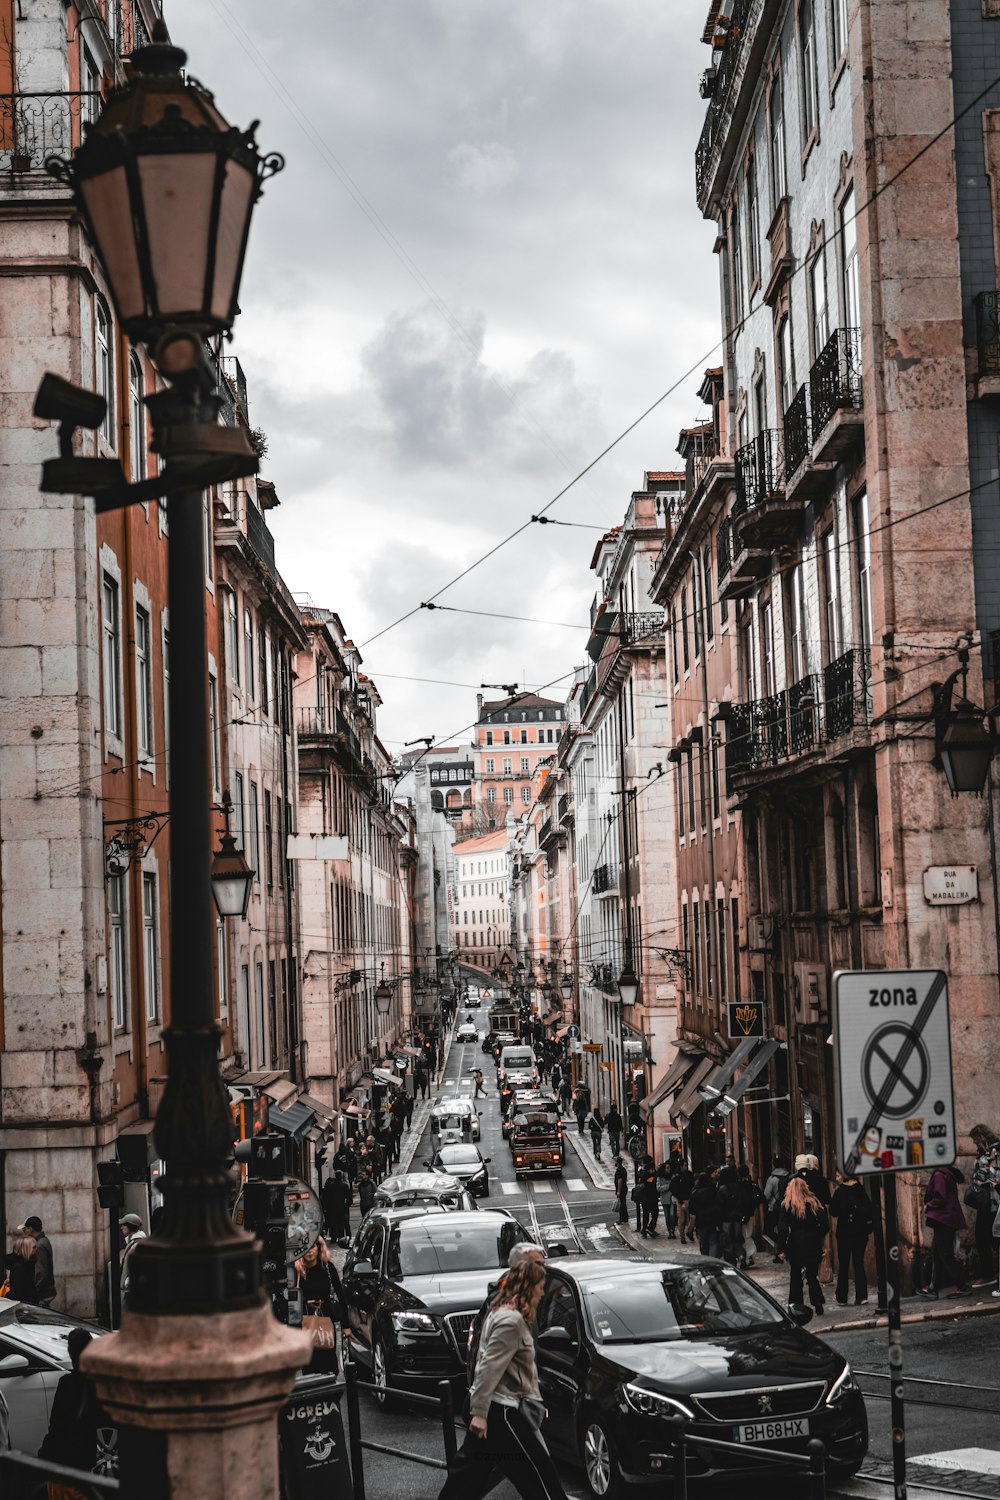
[
  {"x": 945, "y": 1217},
  {"x": 802, "y": 1228},
  {"x": 852, "y": 1209},
  {"x": 774, "y": 1196},
  {"x": 613, "y": 1120},
  {"x": 646, "y": 1198}
]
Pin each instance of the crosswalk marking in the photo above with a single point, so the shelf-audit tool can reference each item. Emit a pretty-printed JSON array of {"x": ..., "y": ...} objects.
[
  {"x": 575, "y": 1184},
  {"x": 543, "y": 1187},
  {"x": 510, "y": 1187}
]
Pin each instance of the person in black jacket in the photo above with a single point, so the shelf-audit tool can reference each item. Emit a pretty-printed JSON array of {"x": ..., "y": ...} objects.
[
  {"x": 802, "y": 1227},
  {"x": 336, "y": 1199},
  {"x": 614, "y": 1122},
  {"x": 76, "y": 1413},
  {"x": 852, "y": 1209},
  {"x": 621, "y": 1190},
  {"x": 730, "y": 1216},
  {"x": 21, "y": 1267},
  {"x": 706, "y": 1210},
  {"x": 681, "y": 1186}
]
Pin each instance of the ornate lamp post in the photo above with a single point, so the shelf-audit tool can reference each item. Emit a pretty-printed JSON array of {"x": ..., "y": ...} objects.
[
  {"x": 200, "y": 1368},
  {"x": 963, "y": 746}
]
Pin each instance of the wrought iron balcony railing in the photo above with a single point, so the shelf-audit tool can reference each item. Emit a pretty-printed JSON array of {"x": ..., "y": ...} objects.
[
  {"x": 988, "y": 332},
  {"x": 562, "y": 806},
  {"x": 605, "y": 879},
  {"x": 604, "y": 978},
  {"x": 835, "y": 378},
  {"x": 760, "y": 469},
  {"x": 36, "y": 126},
  {"x": 796, "y": 426},
  {"x": 819, "y": 707},
  {"x": 725, "y": 547},
  {"x": 847, "y": 692},
  {"x": 259, "y": 536},
  {"x": 637, "y": 627},
  {"x": 724, "y": 74}
]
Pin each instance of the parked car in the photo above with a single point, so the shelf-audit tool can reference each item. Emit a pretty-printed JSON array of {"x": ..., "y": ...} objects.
[
  {"x": 623, "y": 1345},
  {"x": 413, "y": 1283},
  {"x": 423, "y": 1190},
  {"x": 467, "y": 1164},
  {"x": 33, "y": 1360},
  {"x": 467, "y": 1032}
]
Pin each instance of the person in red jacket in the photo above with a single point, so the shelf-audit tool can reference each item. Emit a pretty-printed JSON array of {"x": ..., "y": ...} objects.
[{"x": 945, "y": 1216}]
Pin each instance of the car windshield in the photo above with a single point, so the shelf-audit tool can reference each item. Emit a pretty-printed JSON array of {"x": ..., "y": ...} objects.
[
  {"x": 675, "y": 1304},
  {"x": 452, "y": 1122},
  {"x": 458, "y": 1156},
  {"x": 428, "y": 1249}
]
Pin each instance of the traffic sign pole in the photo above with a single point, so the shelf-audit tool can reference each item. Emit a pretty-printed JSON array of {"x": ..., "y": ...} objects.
[{"x": 897, "y": 1408}]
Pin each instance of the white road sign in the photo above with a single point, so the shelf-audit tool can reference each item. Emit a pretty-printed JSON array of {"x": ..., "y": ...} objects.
[{"x": 892, "y": 1057}]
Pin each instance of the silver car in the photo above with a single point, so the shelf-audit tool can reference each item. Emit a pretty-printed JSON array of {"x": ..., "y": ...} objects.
[{"x": 33, "y": 1360}]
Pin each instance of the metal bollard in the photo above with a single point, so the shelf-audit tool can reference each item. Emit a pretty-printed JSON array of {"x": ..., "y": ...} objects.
[
  {"x": 680, "y": 1458},
  {"x": 354, "y": 1429},
  {"x": 448, "y": 1421},
  {"x": 817, "y": 1470}
]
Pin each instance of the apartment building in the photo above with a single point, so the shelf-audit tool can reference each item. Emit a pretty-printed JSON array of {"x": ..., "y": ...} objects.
[
  {"x": 480, "y": 903},
  {"x": 511, "y": 736},
  {"x": 834, "y": 530}
]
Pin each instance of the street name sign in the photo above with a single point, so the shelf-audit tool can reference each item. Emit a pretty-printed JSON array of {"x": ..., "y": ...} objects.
[
  {"x": 951, "y": 885},
  {"x": 746, "y": 1018},
  {"x": 892, "y": 1059}
]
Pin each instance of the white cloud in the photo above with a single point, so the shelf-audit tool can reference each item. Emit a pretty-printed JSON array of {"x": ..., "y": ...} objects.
[{"x": 481, "y": 169}]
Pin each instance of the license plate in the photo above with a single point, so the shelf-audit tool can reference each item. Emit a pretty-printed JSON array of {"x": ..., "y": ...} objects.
[{"x": 771, "y": 1432}]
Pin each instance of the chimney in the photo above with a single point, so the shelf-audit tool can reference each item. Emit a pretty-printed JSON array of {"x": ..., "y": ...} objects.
[{"x": 479, "y": 706}]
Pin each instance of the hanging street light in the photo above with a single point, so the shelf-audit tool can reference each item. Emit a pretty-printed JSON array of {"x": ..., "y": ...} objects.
[
  {"x": 232, "y": 877},
  {"x": 963, "y": 746},
  {"x": 383, "y": 995},
  {"x": 628, "y": 985},
  {"x": 566, "y": 985}
]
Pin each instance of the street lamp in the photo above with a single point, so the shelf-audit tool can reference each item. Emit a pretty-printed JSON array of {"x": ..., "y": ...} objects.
[
  {"x": 232, "y": 877},
  {"x": 628, "y": 984},
  {"x": 383, "y": 995},
  {"x": 963, "y": 746},
  {"x": 166, "y": 188},
  {"x": 566, "y": 985}
]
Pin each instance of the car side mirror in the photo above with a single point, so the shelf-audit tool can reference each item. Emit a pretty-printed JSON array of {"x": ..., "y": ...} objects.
[
  {"x": 556, "y": 1341},
  {"x": 12, "y": 1363},
  {"x": 487, "y": 1160},
  {"x": 363, "y": 1268},
  {"x": 799, "y": 1313}
]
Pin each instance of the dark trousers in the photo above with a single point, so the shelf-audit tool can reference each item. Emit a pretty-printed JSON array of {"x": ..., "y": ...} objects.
[
  {"x": 808, "y": 1268},
  {"x": 614, "y": 1141},
  {"x": 511, "y": 1448},
  {"x": 851, "y": 1253},
  {"x": 947, "y": 1271},
  {"x": 622, "y": 1209},
  {"x": 650, "y": 1214},
  {"x": 985, "y": 1243},
  {"x": 709, "y": 1241}
]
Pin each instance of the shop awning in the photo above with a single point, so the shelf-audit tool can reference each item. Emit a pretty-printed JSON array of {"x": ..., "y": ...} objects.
[
  {"x": 383, "y": 1075},
  {"x": 689, "y": 1098},
  {"x": 409, "y": 1051},
  {"x": 671, "y": 1080},
  {"x": 325, "y": 1116},
  {"x": 755, "y": 1066},
  {"x": 279, "y": 1090},
  {"x": 294, "y": 1121},
  {"x": 561, "y": 1034},
  {"x": 713, "y": 1088}
]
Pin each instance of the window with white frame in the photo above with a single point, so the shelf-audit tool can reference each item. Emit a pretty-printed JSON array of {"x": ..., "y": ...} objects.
[
  {"x": 798, "y": 641},
  {"x": 245, "y": 1011},
  {"x": 817, "y": 297},
  {"x": 776, "y": 132},
  {"x": 104, "y": 367},
  {"x": 238, "y": 814},
  {"x": 849, "y": 250},
  {"x": 136, "y": 421},
  {"x": 213, "y": 731},
  {"x": 808, "y": 73},
  {"x": 508, "y": 795},
  {"x": 90, "y": 86},
  {"x": 248, "y": 654},
  {"x": 525, "y": 763},
  {"x": 507, "y": 764},
  {"x": 838, "y": 31},
  {"x": 490, "y": 764},
  {"x": 118, "y": 951},
  {"x": 221, "y": 967},
  {"x": 232, "y": 638},
  {"x": 863, "y": 545},
  {"x": 753, "y": 222},
  {"x": 150, "y": 948},
  {"x": 787, "y": 362},
  {"x": 261, "y": 1026},
  {"x": 526, "y": 794},
  {"x": 143, "y": 683},
  {"x": 254, "y": 831},
  {"x": 831, "y": 600},
  {"x": 491, "y": 795},
  {"x": 111, "y": 655},
  {"x": 767, "y": 649},
  {"x": 165, "y": 652},
  {"x": 737, "y": 263},
  {"x": 207, "y": 541}
]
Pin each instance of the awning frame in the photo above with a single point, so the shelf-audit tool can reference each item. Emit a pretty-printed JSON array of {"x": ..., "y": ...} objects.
[{"x": 714, "y": 1087}]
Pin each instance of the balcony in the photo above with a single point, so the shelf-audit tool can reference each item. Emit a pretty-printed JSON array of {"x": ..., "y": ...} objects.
[
  {"x": 835, "y": 397},
  {"x": 36, "y": 126},
  {"x": 722, "y": 81},
  {"x": 767, "y": 518},
  {"x": 796, "y": 429},
  {"x": 636, "y": 628},
  {"x": 259, "y": 536},
  {"x": 604, "y": 978},
  {"x": 562, "y": 806},
  {"x": 313, "y": 723},
  {"x": 605, "y": 880},
  {"x": 816, "y": 710}
]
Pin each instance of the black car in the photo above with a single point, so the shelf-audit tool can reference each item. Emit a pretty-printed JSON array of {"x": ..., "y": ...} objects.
[
  {"x": 413, "y": 1283},
  {"x": 625, "y": 1345},
  {"x": 465, "y": 1165}
]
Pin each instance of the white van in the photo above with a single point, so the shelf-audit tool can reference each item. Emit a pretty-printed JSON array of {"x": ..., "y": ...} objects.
[{"x": 517, "y": 1058}]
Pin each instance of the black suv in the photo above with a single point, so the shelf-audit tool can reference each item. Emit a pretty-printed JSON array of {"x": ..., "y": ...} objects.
[
  {"x": 624, "y": 1345},
  {"x": 413, "y": 1283}
]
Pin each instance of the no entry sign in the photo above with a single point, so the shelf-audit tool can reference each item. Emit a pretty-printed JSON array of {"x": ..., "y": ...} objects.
[{"x": 892, "y": 1054}]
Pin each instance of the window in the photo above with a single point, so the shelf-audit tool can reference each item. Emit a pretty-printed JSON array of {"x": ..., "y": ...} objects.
[
  {"x": 863, "y": 545},
  {"x": 118, "y": 951},
  {"x": 232, "y": 638},
  {"x": 760, "y": 406},
  {"x": 748, "y": 663},
  {"x": 720, "y": 918},
  {"x": 673, "y": 646},
  {"x": 696, "y": 609},
  {"x": 207, "y": 541},
  {"x": 245, "y": 1011},
  {"x": 491, "y": 795},
  {"x": 831, "y": 590},
  {"x": 776, "y": 130},
  {"x": 680, "y": 799},
  {"x": 753, "y": 222},
  {"x": 690, "y": 791},
  {"x": 221, "y": 968},
  {"x": 838, "y": 31},
  {"x": 166, "y": 704},
  {"x": 259, "y": 997},
  {"x": 213, "y": 730},
  {"x": 254, "y": 831},
  {"x": 150, "y": 948},
  {"x": 737, "y": 263},
  {"x": 526, "y": 794},
  {"x": 490, "y": 766},
  {"x": 767, "y": 645},
  {"x": 798, "y": 642},
  {"x": 849, "y": 242},
  {"x": 696, "y": 947},
  {"x": 268, "y": 841},
  {"x": 248, "y": 653},
  {"x": 506, "y": 736},
  {"x": 143, "y": 683},
  {"x": 136, "y": 421},
  {"x": 525, "y": 763},
  {"x": 817, "y": 297},
  {"x": 262, "y": 669},
  {"x": 507, "y": 765},
  {"x": 734, "y": 907},
  {"x": 238, "y": 813},
  {"x": 111, "y": 656},
  {"x": 508, "y": 795},
  {"x": 807, "y": 70},
  {"x": 787, "y": 362},
  {"x": 489, "y": 736},
  {"x": 90, "y": 87},
  {"x": 524, "y": 736},
  {"x": 706, "y": 561},
  {"x": 684, "y": 630},
  {"x": 104, "y": 368}
]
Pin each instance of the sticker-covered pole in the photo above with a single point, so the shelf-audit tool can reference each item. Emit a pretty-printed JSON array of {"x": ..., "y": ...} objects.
[{"x": 897, "y": 1409}]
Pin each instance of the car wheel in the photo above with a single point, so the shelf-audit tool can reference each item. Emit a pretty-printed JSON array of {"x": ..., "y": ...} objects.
[
  {"x": 600, "y": 1467},
  {"x": 381, "y": 1378}
]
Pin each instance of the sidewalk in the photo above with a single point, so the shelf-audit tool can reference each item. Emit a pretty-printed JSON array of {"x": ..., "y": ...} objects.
[
  {"x": 601, "y": 1173},
  {"x": 774, "y": 1279},
  {"x": 421, "y": 1115}
]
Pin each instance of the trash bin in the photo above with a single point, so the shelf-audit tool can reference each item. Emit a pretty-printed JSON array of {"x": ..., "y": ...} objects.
[{"x": 313, "y": 1443}]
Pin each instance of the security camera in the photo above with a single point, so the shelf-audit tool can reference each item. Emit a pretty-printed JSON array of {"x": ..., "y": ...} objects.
[{"x": 59, "y": 400}]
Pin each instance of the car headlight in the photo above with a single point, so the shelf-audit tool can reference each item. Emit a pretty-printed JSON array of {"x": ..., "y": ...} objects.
[
  {"x": 654, "y": 1403},
  {"x": 413, "y": 1322},
  {"x": 844, "y": 1382}
]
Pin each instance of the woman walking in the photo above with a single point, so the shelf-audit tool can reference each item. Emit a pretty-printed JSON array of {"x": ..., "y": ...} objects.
[
  {"x": 21, "y": 1267},
  {"x": 323, "y": 1296},
  {"x": 596, "y": 1127},
  {"x": 944, "y": 1214},
  {"x": 504, "y": 1402},
  {"x": 664, "y": 1188},
  {"x": 802, "y": 1227},
  {"x": 851, "y": 1207}
]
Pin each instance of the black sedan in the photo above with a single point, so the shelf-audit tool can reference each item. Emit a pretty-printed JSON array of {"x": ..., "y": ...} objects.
[
  {"x": 625, "y": 1345},
  {"x": 413, "y": 1283},
  {"x": 465, "y": 1165}
]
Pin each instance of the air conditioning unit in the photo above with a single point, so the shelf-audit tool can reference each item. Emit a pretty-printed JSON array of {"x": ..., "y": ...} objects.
[
  {"x": 760, "y": 934},
  {"x": 810, "y": 994}
]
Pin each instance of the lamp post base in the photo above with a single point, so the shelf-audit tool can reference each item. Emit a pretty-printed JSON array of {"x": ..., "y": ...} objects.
[{"x": 196, "y": 1401}]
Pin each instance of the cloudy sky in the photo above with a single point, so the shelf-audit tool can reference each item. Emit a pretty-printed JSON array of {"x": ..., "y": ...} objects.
[{"x": 482, "y": 263}]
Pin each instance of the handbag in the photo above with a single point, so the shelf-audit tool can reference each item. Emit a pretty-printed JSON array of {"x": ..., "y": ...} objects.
[
  {"x": 323, "y": 1332},
  {"x": 977, "y": 1196}
]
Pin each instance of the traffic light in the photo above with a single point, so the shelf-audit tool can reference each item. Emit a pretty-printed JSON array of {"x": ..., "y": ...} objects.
[{"x": 110, "y": 1190}]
